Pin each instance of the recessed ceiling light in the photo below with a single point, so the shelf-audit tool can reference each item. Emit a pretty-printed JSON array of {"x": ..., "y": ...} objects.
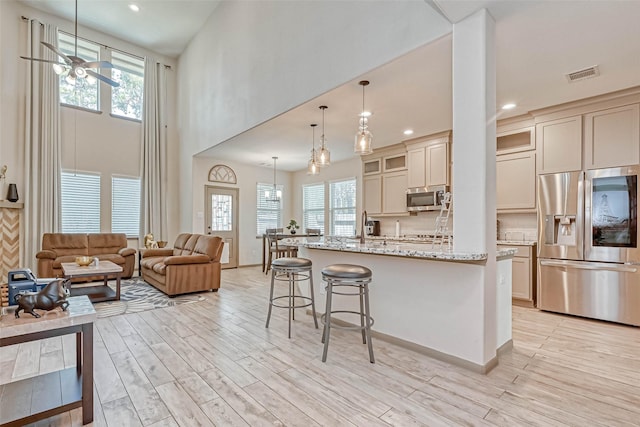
[
  {"x": 408, "y": 132},
  {"x": 365, "y": 114},
  {"x": 134, "y": 7},
  {"x": 509, "y": 106}
]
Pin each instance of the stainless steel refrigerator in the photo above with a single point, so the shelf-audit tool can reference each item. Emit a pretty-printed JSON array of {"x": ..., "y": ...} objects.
[{"x": 588, "y": 255}]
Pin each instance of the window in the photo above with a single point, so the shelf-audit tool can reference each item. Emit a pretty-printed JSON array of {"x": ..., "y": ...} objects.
[
  {"x": 342, "y": 207},
  {"x": 125, "y": 206},
  {"x": 84, "y": 92},
  {"x": 313, "y": 206},
  {"x": 269, "y": 214},
  {"x": 80, "y": 202},
  {"x": 126, "y": 100}
]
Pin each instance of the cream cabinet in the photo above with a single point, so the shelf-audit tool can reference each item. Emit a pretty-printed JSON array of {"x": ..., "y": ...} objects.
[
  {"x": 612, "y": 137},
  {"x": 428, "y": 160},
  {"x": 437, "y": 157},
  {"x": 516, "y": 140},
  {"x": 523, "y": 274},
  {"x": 395, "y": 162},
  {"x": 559, "y": 145},
  {"x": 372, "y": 194},
  {"x": 416, "y": 167},
  {"x": 516, "y": 182},
  {"x": 372, "y": 166},
  {"x": 394, "y": 192}
]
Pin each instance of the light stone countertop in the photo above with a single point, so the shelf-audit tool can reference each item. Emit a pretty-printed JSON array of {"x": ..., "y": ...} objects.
[
  {"x": 410, "y": 250},
  {"x": 79, "y": 312},
  {"x": 518, "y": 242}
]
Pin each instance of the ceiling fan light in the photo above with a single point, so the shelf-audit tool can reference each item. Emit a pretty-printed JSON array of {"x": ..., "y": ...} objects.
[
  {"x": 71, "y": 78},
  {"x": 90, "y": 79},
  {"x": 80, "y": 72},
  {"x": 58, "y": 69}
]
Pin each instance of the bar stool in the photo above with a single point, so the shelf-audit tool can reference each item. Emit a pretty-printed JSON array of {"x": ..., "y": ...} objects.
[
  {"x": 291, "y": 270},
  {"x": 348, "y": 276}
]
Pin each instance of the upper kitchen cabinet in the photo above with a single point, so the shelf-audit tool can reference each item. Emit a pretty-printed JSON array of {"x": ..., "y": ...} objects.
[
  {"x": 559, "y": 145},
  {"x": 428, "y": 160},
  {"x": 612, "y": 137},
  {"x": 516, "y": 182},
  {"x": 384, "y": 181},
  {"x": 516, "y": 140}
]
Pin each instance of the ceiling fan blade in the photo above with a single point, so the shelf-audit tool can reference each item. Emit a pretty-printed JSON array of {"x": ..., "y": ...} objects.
[
  {"x": 97, "y": 64},
  {"x": 45, "y": 60},
  {"x": 103, "y": 78},
  {"x": 58, "y": 52}
]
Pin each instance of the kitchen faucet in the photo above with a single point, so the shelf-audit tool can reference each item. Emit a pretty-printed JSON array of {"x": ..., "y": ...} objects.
[{"x": 362, "y": 222}]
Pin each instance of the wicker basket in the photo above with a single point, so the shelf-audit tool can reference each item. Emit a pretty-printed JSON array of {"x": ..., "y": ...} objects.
[{"x": 4, "y": 295}]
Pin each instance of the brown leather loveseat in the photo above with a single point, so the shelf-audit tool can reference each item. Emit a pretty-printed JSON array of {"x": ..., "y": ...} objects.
[
  {"x": 65, "y": 247},
  {"x": 192, "y": 265}
]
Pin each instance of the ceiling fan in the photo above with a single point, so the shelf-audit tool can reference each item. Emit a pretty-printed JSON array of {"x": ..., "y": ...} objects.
[{"x": 76, "y": 67}]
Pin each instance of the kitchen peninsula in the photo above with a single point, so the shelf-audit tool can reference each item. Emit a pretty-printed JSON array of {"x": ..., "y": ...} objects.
[{"x": 419, "y": 295}]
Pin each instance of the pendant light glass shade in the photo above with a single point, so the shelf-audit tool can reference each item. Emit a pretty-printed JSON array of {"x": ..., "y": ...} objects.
[
  {"x": 363, "y": 138},
  {"x": 324, "y": 155},
  {"x": 313, "y": 168},
  {"x": 273, "y": 195}
]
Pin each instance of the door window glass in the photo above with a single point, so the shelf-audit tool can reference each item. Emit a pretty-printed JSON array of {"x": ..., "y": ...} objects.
[
  {"x": 221, "y": 212},
  {"x": 615, "y": 211}
]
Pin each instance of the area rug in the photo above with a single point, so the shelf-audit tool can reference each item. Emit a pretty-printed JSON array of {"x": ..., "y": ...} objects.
[{"x": 136, "y": 295}]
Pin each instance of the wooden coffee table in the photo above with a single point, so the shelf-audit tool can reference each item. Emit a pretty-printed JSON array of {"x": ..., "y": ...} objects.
[{"x": 96, "y": 293}]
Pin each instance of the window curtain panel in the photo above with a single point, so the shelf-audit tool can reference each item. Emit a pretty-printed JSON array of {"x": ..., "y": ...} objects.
[
  {"x": 42, "y": 148},
  {"x": 153, "y": 194}
]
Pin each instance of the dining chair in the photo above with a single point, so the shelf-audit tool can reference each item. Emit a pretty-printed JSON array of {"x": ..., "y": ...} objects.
[{"x": 277, "y": 250}]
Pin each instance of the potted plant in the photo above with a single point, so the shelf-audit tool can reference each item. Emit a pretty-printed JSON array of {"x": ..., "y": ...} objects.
[{"x": 293, "y": 226}]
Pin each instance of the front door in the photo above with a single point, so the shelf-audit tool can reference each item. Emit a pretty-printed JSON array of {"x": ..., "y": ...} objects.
[{"x": 221, "y": 215}]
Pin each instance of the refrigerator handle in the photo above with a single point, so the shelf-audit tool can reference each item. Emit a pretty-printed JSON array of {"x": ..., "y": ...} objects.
[{"x": 589, "y": 266}]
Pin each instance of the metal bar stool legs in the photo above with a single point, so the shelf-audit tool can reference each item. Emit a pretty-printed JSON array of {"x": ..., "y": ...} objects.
[
  {"x": 291, "y": 270},
  {"x": 347, "y": 276}
]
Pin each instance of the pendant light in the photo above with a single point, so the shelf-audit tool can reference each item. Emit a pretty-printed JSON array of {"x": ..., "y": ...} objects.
[
  {"x": 324, "y": 155},
  {"x": 313, "y": 167},
  {"x": 363, "y": 137},
  {"x": 275, "y": 194}
]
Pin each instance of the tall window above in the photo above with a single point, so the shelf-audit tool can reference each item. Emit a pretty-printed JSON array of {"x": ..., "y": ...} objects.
[
  {"x": 126, "y": 100},
  {"x": 125, "y": 205},
  {"x": 313, "y": 206},
  {"x": 269, "y": 214},
  {"x": 84, "y": 92},
  {"x": 80, "y": 202},
  {"x": 342, "y": 207}
]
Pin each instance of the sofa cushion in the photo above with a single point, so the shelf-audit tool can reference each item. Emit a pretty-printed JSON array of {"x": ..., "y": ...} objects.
[
  {"x": 160, "y": 268},
  {"x": 114, "y": 258},
  {"x": 180, "y": 243},
  {"x": 149, "y": 262},
  {"x": 66, "y": 258},
  {"x": 106, "y": 243},
  {"x": 66, "y": 243}
]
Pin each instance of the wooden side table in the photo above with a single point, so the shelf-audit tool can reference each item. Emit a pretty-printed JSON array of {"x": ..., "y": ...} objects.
[{"x": 32, "y": 399}]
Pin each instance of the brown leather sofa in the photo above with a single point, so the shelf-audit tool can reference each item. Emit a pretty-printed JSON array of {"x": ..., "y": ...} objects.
[
  {"x": 192, "y": 265},
  {"x": 65, "y": 247}
]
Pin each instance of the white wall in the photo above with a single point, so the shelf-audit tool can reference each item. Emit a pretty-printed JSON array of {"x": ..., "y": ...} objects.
[{"x": 254, "y": 60}]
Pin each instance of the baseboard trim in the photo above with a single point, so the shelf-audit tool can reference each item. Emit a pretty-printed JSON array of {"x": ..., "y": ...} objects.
[{"x": 427, "y": 351}]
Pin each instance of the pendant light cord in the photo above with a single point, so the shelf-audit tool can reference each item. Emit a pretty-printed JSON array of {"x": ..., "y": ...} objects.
[{"x": 76, "y": 26}]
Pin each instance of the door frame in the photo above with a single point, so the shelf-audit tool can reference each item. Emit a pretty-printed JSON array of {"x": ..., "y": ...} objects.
[{"x": 235, "y": 220}]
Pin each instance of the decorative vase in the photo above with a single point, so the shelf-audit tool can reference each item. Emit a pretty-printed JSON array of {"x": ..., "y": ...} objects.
[
  {"x": 293, "y": 231},
  {"x": 12, "y": 193}
]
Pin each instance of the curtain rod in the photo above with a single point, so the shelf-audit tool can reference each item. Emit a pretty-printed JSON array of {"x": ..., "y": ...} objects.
[{"x": 24, "y": 18}]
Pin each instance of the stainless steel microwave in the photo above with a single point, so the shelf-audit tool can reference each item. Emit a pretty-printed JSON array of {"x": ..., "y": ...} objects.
[{"x": 425, "y": 198}]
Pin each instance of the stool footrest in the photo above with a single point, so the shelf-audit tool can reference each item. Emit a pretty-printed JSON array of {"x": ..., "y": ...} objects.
[
  {"x": 291, "y": 306},
  {"x": 349, "y": 327}
]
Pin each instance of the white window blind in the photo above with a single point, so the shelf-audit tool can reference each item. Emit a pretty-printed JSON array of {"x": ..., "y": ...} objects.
[
  {"x": 126, "y": 100},
  {"x": 313, "y": 206},
  {"x": 342, "y": 207},
  {"x": 125, "y": 206},
  {"x": 80, "y": 202},
  {"x": 84, "y": 93},
  {"x": 269, "y": 214}
]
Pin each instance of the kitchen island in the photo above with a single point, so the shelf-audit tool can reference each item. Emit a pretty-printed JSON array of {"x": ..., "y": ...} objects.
[{"x": 421, "y": 297}]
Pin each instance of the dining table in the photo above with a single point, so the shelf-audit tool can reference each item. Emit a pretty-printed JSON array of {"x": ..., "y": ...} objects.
[{"x": 279, "y": 236}]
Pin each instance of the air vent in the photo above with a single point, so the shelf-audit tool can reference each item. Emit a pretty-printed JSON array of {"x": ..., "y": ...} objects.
[{"x": 587, "y": 73}]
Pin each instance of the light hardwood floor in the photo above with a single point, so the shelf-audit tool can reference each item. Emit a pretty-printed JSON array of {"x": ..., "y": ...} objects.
[{"x": 214, "y": 363}]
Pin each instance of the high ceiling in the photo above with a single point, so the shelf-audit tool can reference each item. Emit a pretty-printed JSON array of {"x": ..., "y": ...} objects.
[{"x": 537, "y": 43}]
